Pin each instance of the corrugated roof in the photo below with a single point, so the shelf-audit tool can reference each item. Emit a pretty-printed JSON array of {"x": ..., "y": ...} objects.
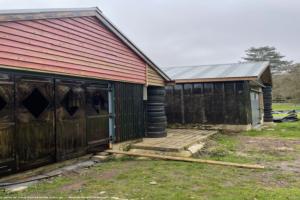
[{"x": 238, "y": 71}]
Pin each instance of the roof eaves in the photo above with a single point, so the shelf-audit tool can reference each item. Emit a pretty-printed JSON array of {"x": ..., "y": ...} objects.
[
  {"x": 267, "y": 64},
  {"x": 205, "y": 80},
  {"x": 258, "y": 83},
  {"x": 212, "y": 65}
]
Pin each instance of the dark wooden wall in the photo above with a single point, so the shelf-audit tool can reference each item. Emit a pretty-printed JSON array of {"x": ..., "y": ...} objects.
[
  {"x": 209, "y": 103},
  {"x": 46, "y": 118},
  {"x": 129, "y": 110}
]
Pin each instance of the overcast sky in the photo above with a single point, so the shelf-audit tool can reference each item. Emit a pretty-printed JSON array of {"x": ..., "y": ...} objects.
[{"x": 192, "y": 32}]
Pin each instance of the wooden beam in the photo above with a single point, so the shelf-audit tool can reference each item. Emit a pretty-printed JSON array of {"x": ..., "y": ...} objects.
[
  {"x": 248, "y": 166},
  {"x": 205, "y": 80}
]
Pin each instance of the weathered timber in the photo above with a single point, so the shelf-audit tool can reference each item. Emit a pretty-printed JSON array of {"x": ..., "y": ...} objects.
[
  {"x": 248, "y": 166},
  {"x": 209, "y": 103}
]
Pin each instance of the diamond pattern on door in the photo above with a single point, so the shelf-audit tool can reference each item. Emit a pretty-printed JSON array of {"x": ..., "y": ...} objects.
[
  {"x": 36, "y": 103},
  {"x": 71, "y": 102},
  {"x": 3, "y": 103}
]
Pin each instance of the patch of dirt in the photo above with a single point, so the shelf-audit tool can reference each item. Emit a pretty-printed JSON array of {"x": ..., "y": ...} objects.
[
  {"x": 109, "y": 174},
  {"x": 74, "y": 186},
  {"x": 263, "y": 178},
  {"x": 292, "y": 166},
  {"x": 267, "y": 179},
  {"x": 276, "y": 147},
  {"x": 275, "y": 153},
  {"x": 267, "y": 144}
]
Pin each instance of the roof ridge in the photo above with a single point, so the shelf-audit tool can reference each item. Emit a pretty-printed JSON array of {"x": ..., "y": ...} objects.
[{"x": 38, "y": 10}]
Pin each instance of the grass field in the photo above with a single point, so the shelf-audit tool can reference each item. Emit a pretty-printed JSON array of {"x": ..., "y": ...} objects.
[
  {"x": 153, "y": 179},
  {"x": 285, "y": 106},
  {"x": 278, "y": 148},
  {"x": 284, "y": 130}
]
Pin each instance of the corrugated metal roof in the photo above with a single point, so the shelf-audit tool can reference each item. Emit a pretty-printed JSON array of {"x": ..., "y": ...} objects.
[{"x": 218, "y": 71}]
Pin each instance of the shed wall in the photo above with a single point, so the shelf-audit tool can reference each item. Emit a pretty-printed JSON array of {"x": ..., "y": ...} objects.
[
  {"x": 209, "y": 103},
  {"x": 46, "y": 118},
  {"x": 129, "y": 109},
  {"x": 153, "y": 78},
  {"x": 80, "y": 46}
]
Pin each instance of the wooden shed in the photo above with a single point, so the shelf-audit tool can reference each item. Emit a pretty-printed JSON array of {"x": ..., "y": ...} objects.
[
  {"x": 70, "y": 82},
  {"x": 227, "y": 96}
]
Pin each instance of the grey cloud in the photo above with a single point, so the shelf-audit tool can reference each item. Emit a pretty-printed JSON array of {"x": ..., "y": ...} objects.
[{"x": 177, "y": 32}]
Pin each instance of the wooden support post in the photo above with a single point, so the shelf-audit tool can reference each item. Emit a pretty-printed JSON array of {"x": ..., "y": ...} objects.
[{"x": 182, "y": 104}]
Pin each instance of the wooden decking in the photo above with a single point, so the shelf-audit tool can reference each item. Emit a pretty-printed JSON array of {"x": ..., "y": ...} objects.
[{"x": 176, "y": 141}]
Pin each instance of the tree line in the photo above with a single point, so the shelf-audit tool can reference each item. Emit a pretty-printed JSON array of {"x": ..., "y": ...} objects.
[{"x": 286, "y": 73}]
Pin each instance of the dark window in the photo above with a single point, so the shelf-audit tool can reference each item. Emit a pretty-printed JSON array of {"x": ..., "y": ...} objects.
[
  {"x": 208, "y": 88},
  {"x": 71, "y": 102},
  {"x": 36, "y": 103},
  {"x": 177, "y": 89},
  {"x": 229, "y": 88},
  {"x": 239, "y": 87},
  {"x": 4, "y": 77},
  {"x": 169, "y": 89},
  {"x": 99, "y": 102},
  {"x": 2, "y": 103},
  {"x": 188, "y": 89},
  {"x": 198, "y": 88},
  {"x": 218, "y": 88}
]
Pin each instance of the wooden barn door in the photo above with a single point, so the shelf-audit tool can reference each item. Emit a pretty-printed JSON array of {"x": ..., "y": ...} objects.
[
  {"x": 7, "y": 126},
  {"x": 97, "y": 116},
  {"x": 70, "y": 119},
  {"x": 35, "y": 136}
]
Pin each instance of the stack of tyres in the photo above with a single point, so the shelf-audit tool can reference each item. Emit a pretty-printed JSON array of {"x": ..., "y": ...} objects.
[
  {"x": 267, "y": 95},
  {"x": 156, "y": 114}
]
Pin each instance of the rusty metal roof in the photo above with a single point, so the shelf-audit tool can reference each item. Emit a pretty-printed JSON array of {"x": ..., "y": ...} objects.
[{"x": 234, "y": 71}]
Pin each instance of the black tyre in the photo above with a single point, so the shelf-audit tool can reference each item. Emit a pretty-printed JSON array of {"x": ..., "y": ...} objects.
[
  {"x": 156, "y": 99},
  {"x": 162, "y": 119},
  {"x": 158, "y": 92},
  {"x": 268, "y": 118},
  {"x": 268, "y": 105},
  {"x": 156, "y": 129},
  {"x": 156, "y": 114},
  {"x": 155, "y": 103},
  {"x": 157, "y": 134},
  {"x": 157, "y": 124},
  {"x": 155, "y": 108}
]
